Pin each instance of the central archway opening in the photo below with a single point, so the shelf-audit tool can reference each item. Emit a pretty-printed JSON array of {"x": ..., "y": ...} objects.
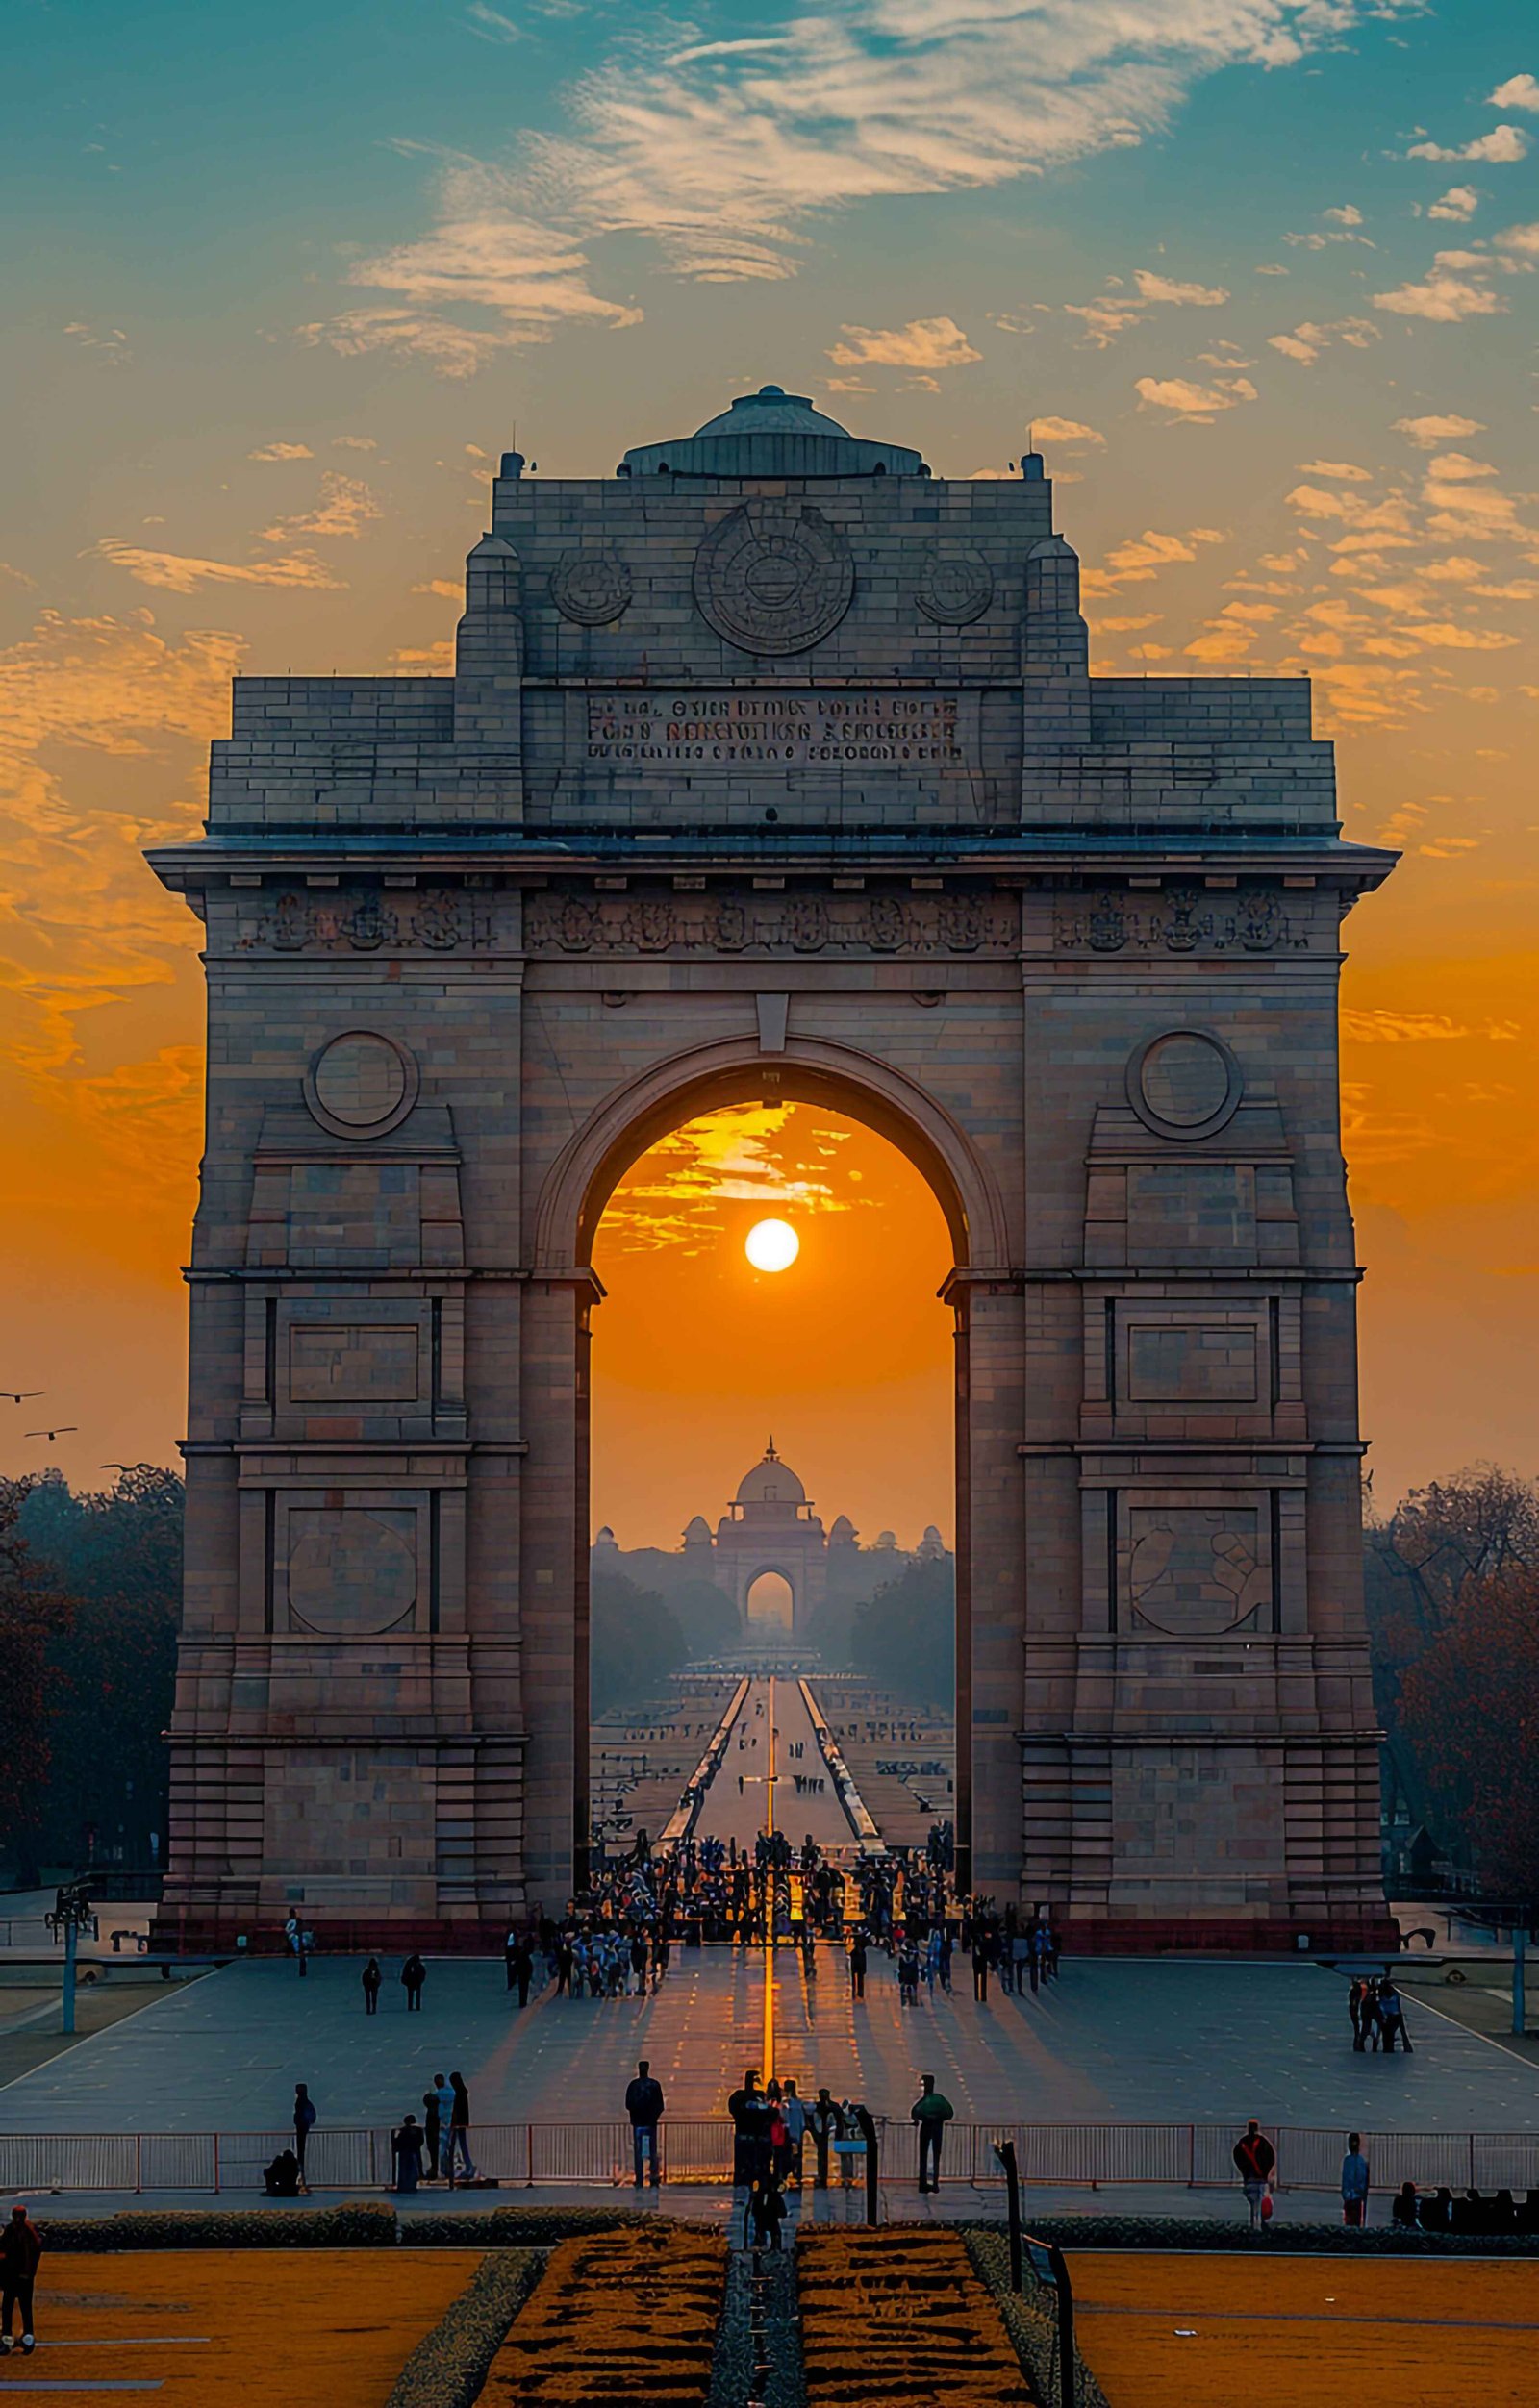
[
  {"x": 771, "y": 1449},
  {"x": 769, "y": 1609}
]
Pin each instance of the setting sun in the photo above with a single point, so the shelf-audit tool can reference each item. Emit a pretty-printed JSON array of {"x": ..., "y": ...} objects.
[{"x": 772, "y": 1245}]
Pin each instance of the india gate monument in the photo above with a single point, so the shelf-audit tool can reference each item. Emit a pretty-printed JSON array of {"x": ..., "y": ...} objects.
[{"x": 771, "y": 768}]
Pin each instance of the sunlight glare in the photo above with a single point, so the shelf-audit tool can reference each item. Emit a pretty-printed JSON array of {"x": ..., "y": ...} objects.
[{"x": 772, "y": 1245}]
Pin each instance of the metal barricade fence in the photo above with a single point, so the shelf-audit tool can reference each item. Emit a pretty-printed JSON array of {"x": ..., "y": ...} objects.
[{"x": 700, "y": 2150}]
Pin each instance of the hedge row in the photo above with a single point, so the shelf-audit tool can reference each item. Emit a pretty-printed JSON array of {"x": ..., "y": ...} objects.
[
  {"x": 1030, "y": 2320},
  {"x": 449, "y": 2366},
  {"x": 357, "y": 2224},
  {"x": 1279, "y": 2237}
]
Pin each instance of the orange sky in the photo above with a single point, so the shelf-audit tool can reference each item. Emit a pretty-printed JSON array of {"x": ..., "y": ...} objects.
[
  {"x": 1261, "y": 275},
  {"x": 845, "y": 1357}
]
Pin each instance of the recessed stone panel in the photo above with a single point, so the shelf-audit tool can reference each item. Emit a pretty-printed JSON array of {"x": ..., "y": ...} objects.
[
  {"x": 337, "y": 1363},
  {"x": 1191, "y": 1363}
]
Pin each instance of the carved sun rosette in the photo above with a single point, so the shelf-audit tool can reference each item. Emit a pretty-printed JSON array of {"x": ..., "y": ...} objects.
[
  {"x": 957, "y": 585},
  {"x": 772, "y": 578},
  {"x": 590, "y": 587}
]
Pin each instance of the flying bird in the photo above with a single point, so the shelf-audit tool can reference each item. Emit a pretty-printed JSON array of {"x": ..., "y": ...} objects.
[
  {"x": 64, "y": 1431},
  {"x": 19, "y": 1396}
]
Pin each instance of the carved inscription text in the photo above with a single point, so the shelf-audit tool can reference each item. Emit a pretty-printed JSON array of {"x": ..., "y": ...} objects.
[{"x": 721, "y": 731}]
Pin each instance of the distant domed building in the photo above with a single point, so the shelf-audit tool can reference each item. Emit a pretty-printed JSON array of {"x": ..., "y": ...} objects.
[{"x": 786, "y": 1575}]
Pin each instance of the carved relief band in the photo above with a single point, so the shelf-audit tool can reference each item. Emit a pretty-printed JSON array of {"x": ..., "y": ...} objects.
[
  {"x": 741, "y": 921},
  {"x": 1183, "y": 919},
  {"x": 364, "y": 921}
]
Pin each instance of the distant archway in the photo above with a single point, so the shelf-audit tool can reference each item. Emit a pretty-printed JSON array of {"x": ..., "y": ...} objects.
[{"x": 769, "y": 1607}]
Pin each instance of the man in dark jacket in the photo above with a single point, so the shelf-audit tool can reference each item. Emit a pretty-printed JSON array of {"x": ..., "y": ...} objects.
[
  {"x": 749, "y": 2110},
  {"x": 643, "y": 2104},
  {"x": 1255, "y": 2160},
  {"x": 20, "y": 2249}
]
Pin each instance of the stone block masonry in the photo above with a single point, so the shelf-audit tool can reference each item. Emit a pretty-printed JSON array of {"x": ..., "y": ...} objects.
[{"x": 772, "y": 767}]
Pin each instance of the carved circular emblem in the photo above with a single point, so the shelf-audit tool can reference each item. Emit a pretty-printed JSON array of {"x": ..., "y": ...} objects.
[
  {"x": 349, "y": 1570},
  {"x": 957, "y": 585},
  {"x": 590, "y": 587},
  {"x": 360, "y": 1085},
  {"x": 773, "y": 579},
  {"x": 1184, "y": 1084}
]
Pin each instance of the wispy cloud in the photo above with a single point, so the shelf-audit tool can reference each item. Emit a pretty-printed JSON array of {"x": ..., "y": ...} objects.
[
  {"x": 1519, "y": 91},
  {"x": 1502, "y": 147},
  {"x": 178, "y": 572},
  {"x": 1065, "y": 431},
  {"x": 1190, "y": 404},
  {"x": 726, "y": 153},
  {"x": 1458, "y": 204},
  {"x": 1152, "y": 287},
  {"x": 1426, "y": 432},
  {"x": 1308, "y": 340},
  {"x": 281, "y": 451},
  {"x": 345, "y": 508},
  {"x": 924, "y": 342}
]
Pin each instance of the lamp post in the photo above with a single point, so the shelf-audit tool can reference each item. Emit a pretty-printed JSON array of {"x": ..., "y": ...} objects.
[{"x": 71, "y": 1913}]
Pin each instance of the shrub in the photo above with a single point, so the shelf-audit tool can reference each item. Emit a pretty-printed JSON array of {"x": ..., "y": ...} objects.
[
  {"x": 1216, "y": 2232},
  {"x": 357, "y": 2224},
  {"x": 449, "y": 2366}
]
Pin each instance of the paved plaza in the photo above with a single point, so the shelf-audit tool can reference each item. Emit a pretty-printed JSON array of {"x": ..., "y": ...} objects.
[{"x": 1184, "y": 2041}]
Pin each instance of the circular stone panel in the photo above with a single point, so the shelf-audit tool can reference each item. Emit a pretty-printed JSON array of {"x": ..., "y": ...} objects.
[
  {"x": 957, "y": 585},
  {"x": 773, "y": 579},
  {"x": 361, "y": 1084},
  {"x": 590, "y": 587},
  {"x": 1184, "y": 1084},
  {"x": 349, "y": 1571}
]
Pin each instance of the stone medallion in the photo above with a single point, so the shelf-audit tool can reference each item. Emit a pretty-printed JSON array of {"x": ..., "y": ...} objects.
[
  {"x": 590, "y": 587},
  {"x": 957, "y": 585},
  {"x": 772, "y": 578}
]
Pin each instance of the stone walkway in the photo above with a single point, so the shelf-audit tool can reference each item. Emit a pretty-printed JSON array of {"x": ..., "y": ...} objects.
[{"x": 1184, "y": 2041}]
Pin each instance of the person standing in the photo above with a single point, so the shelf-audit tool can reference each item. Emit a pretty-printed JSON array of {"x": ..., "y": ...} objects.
[
  {"x": 446, "y": 2106},
  {"x": 639, "y": 1965},
  {"x": 413, "y": 1973},
  {"x": 510, "y": 1951},
  {"x": 980, "y": 1969},
  {"x": 372, "y": 1980},
  {"x": 1357, "y": 2002},
  {"x": 793, "y": 2111},
  {"x": 932, "y": 2111},
  {"x": 1354, "y": 2183},
  {"x": 304, "y": 2122},
  {"x": 749, "y": 2111},
  {"x": 20, "y": 2254},
  {"x": 406, "y": 2152},
  {"x": 432, "y": 2130},
  {"x": 1255, "y": 2160},
  {"x": 459, "y": 2131},
  {"x": 827, "y": 2121},
  {"x": 522, "y": 1971},
  {"x": 643, "y": 2104},
  {"x": 1391, "y": 2017},
  {"x": 857, "y": 1966}
]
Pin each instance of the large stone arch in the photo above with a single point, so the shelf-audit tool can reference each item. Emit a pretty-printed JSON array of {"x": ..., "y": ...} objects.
[{"x": 808, "y": 1070}]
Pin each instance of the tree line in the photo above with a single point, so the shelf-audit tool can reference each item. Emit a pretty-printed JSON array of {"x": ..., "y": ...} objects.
[{"x": 91, "y": 1589}]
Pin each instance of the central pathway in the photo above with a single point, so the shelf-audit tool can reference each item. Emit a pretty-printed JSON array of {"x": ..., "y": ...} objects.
[{"x": 733, "y": 1813}]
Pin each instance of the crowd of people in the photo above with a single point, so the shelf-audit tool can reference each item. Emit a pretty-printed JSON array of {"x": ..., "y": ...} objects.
[{"x": 1378, "y": 2015}]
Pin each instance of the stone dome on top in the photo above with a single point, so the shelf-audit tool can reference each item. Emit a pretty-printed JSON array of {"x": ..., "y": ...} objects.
[
  {"x": 771, "y": 1483},
  {"x": 767, "y": 434}
]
